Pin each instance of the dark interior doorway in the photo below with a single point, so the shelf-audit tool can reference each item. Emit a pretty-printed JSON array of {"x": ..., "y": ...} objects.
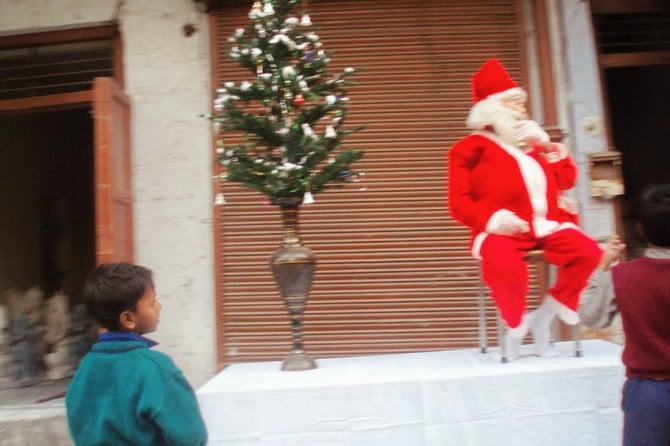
[
  {"x": 47, "y": 235},
  {"x": 639, "y": 108}
]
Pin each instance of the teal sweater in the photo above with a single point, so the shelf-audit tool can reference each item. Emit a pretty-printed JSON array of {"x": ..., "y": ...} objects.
[{"x": 125, "y": 394}]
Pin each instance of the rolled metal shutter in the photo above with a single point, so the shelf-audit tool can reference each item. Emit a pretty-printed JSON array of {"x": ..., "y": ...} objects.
[{"x": 393, "y": 269}]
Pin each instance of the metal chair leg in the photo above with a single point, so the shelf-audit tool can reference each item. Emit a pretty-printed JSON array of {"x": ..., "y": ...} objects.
[
  {"x": 483, "y": 341},
  {"x": 502, "y": 340},
  {"x": 546, "y": 277},
  {"x": 577, "y": 340}
]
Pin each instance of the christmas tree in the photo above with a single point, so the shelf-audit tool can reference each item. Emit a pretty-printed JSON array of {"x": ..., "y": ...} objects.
[{"x": 291, "y": 113}]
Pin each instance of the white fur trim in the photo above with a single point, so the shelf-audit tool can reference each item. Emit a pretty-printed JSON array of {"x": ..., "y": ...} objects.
[
  {"x": 564, "y": 225},
  {"x": 482, "y": 113},
  {"x": 531, "y": 172},
  {"x": 521, "y": 330},
  {"x": 477, "y": 245},
  {"x": 516, "y": 91},
  {"x": 569, "y": 225},
  {"x": 493, "y": 225},
  {"x": 566, "y": 314},
  {"x": 543, "y": 227}
]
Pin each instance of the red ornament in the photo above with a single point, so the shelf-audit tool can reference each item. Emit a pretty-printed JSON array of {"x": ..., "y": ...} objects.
[{"x": 299, "y": 100}]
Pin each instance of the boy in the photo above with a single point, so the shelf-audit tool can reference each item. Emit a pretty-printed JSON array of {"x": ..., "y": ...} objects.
[
  {"x": 640, "y": 291},
  {"x": 123, "y": 392}
]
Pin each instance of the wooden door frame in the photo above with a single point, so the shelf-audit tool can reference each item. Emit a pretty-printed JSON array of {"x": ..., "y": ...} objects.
[
  {"x": 103, "y": 99},
  {"x": 113, "y": 193},
  {"x": 71, "y": 34}
]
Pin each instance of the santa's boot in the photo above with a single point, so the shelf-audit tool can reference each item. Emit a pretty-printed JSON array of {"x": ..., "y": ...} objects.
[
  {"x": 512, "y": 345},
  {"x": 540, "y": 327},
  {"x": 514, "y": 338}
]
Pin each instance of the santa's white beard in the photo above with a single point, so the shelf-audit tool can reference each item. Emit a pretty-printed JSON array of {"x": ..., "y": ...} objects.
[
  {"x": 505, "y": 126},
  {"x": 492, "y": 113}
]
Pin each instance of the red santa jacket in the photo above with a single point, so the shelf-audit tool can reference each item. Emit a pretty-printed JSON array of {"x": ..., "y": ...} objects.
[{"x": 484, "y": 177}]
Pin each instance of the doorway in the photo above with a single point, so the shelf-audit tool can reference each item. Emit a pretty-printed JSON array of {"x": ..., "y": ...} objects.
[
  {"x": 633, "y": 41},
  {"x": 47, "y": 243},
  {"x": 47, "y": 238},
  {"x": 65, "y": 192},
  {"x": 639, "y": 107}
]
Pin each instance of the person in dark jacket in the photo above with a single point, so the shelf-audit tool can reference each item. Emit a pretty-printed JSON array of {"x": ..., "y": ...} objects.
[{"x": 124, "y": 393}]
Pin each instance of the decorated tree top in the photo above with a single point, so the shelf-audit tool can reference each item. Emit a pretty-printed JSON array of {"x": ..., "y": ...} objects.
[{"x": 291, "y": 113}]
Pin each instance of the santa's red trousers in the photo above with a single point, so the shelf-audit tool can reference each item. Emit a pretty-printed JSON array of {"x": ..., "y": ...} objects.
[{"x": 506, "y": 273}]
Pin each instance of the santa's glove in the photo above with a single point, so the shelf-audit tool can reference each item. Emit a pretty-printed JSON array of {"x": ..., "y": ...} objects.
[
  {"x": 531, "y": 132},
  {"x": 554, "y": 152},
  {"x": 506, "y": 222}
]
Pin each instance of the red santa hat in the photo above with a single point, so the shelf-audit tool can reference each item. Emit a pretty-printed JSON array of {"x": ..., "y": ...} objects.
[
  {"x": 491, "y": 78},
  {"x": 489, "y": 85}
]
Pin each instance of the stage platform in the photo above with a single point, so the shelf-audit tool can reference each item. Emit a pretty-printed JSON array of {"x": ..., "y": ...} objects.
[{"x": 458, "y": 397}]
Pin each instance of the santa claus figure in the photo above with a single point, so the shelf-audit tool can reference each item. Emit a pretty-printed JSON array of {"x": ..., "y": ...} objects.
[{"x": 505, "y": 180}]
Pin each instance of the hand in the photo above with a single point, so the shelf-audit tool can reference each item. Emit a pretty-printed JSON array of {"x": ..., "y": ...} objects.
[
  {"x": 530, "y": 132},
  {"x": 504, "y": 222},
  {"x": 554, "y": 152},
  {"x": 612, "y": 251}
]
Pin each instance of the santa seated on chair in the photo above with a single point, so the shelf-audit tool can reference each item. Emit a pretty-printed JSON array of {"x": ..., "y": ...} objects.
[{"x": 504, "y": 183}]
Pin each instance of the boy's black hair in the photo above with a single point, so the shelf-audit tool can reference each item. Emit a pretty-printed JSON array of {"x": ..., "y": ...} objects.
[
  {"x": 113, "y": 288},
  {"x": 655, "y": 215}
]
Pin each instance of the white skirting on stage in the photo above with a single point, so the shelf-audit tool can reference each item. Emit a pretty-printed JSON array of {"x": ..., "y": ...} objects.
[{"x": 458, "y": 397}]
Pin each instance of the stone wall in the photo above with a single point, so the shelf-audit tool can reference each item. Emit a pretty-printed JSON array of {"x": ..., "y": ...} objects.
[{"x": 167, "y": 77}]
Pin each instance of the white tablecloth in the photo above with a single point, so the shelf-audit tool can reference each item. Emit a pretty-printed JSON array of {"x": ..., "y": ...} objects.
[{"x": 440, "y": 398}]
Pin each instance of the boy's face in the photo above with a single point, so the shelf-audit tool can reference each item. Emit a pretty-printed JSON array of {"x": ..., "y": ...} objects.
[{"x": 146, "y": 316}]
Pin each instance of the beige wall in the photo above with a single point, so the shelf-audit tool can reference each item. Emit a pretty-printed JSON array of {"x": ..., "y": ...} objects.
[{"x": 167, "y": 80}]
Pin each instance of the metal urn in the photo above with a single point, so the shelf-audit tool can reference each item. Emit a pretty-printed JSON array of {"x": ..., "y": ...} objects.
[{"x": 293, "y": 266}]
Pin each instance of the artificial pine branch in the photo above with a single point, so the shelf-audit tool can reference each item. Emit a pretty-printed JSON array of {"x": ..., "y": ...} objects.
[{"x": 291, "y": 114}]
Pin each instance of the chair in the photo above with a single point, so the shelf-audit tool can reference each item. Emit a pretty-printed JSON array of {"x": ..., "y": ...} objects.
[{"x": 532, "y": 257}]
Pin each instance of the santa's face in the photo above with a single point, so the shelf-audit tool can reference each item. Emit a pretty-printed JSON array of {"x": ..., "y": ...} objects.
[
  {"x": 510, "y": 112},
  {"x": 517, "y": 105},
  {"x": 501, "y": 113}
]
